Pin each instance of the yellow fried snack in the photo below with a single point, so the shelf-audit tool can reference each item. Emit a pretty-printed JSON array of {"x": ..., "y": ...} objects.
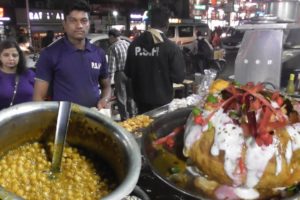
[
  {"x": 218, "y": 85},
  {"x": 135, "y": 123}
]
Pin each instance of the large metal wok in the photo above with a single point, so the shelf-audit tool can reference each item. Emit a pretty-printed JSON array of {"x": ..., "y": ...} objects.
[
  {"x": 36, "y": 121},
  {"x": 160, "y": 127},
  {"x": 160, "y": 162}
]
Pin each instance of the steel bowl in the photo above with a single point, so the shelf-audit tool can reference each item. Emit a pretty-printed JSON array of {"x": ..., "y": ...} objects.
[{"x": 36, "y": 121}]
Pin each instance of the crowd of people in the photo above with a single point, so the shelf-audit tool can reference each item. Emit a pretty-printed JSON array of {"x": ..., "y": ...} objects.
[{"x": 72, "y": 69}]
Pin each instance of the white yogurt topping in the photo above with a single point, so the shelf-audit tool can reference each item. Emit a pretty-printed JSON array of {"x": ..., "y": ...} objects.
[
  {"x": 195, "y": 132},
  {"x": 246, "y": 193},
  {"x": 294, "y": 132},
  {"x": 229, "y": 138},
  {"x": 274, "y": 104},
  {"x": 257, "y": 158},
  {"x": 289, "y": 152}
]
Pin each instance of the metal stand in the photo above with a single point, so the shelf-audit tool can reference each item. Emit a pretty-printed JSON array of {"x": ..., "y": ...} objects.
[
  {"x": 259, "y": 58},
  {"x": 261, "y": 54}
]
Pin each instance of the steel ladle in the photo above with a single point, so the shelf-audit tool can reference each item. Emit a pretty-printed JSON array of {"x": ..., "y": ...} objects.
[
  {"x": 62, "y": 123},
  {"x": 6, "y": 195}
]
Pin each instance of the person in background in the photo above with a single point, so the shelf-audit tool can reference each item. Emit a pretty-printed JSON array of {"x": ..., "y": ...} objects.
[
  {"x": 72, "y": 66},
  {"x": 202, "y": 52},
  {"x": 16, "y": 81},
  {"x": 117, "y": 54},
  {"x": 24, "y": 44},
  {"x": 216, "y": 37},
  {"x": 135, "y": 33},
  {"x": 154, "y": 63},
  {"x": 30, "y": 55},
  {"x": 48, "y": 39}
]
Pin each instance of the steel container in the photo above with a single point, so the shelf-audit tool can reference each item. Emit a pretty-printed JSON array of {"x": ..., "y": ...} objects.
[
  {"x": 285, "y": 10},
  {"x": 36, "y": 121}
]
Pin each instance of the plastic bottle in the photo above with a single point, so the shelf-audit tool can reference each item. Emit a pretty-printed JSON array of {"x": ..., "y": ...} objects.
[
  {"x": 290, "y": 88},
  {"x": 297, "y": 85}
]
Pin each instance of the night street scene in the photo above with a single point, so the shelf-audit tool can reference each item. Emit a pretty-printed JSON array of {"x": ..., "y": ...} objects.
[{"x": 149, "y": 99}]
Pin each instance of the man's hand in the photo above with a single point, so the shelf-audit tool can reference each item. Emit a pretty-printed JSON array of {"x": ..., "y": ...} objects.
[
  {"x": 105, "y": 94},
  {"x": 103, "y": 103}
]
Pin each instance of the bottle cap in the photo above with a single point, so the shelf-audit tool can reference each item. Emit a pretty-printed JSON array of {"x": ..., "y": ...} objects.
[{"x": 292, "y": 77}]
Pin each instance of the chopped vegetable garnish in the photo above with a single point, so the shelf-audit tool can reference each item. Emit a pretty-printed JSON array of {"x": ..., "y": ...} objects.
[
  {"x": 196, "y": 111},
  {"x": 168, "y": 139},
  {"x": 251, "y": 107},
  {"x": 212, "y": 99},
  {"x": 199, "y": 120},
  {"x": 175, "y": 170}
]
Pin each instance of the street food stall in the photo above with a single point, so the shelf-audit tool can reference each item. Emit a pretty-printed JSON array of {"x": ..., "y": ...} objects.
[
  {"x": 265, "y": 52},
  {"x": 227, "y": 141},
  {"x": 202, "y": 150},
  {"x": 270, "y": 49},
  {"x": 190, "y": 160}
]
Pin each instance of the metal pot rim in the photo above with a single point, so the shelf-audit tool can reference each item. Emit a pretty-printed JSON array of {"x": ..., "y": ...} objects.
[{"x": 127, "y": 140}]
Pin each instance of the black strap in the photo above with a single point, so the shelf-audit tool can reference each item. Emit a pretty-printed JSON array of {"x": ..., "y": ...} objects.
[{"x": 15, "y": 90}]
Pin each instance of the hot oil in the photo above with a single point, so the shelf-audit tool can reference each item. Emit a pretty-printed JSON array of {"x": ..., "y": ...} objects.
[{"x": 165, "y": 159}]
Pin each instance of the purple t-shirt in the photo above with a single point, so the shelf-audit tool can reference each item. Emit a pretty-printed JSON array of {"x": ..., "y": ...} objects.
[
  {"x": 24, "y": 89},
  {"x": 73, "y": 74}
]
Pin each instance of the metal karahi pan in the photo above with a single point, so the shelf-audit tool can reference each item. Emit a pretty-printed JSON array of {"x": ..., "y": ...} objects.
[
  {"x": 161, "y": 127},
  {"x": 163, "y": 161}
]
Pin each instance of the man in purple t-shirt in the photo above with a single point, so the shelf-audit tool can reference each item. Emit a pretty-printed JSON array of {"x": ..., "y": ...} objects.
[{"x": 71, "y": 68}]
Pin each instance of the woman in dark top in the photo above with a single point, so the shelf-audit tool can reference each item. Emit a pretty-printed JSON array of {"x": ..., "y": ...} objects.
[{"x": 16, "y": 81}]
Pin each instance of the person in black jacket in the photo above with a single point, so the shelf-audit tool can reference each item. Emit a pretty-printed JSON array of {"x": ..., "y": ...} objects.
[
  {"x": 154, "y": 63},
  {"x": 48, "y": 39}
]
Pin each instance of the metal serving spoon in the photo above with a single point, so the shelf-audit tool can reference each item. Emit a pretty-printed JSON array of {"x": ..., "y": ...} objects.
[
  {"x": 6, "y": 195},
  {"x": 62, "y": 123}
]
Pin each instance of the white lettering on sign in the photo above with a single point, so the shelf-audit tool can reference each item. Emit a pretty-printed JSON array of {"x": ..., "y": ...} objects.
[
  {"x": 35, "y": 15},
  {"x": 95, "y": 65},
  {"x": 45, "y": 16},
  {"x": 144, "y": 52}
]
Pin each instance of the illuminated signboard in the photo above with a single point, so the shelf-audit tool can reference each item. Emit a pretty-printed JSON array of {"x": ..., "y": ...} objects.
[
  {"x": 46, "y": 16},
  {"x": 175, "y": 20},
  {"x": 1, "y": 12},
  {"x": 136, "y": 16},
  {"x": 200, "y": 7}
]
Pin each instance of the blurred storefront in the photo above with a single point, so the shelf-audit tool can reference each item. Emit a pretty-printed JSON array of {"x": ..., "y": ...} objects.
[
  {"x": 4, "y": 21},
  {"x": 137, "y": 21},
  {"x": 208, "y": 11},
  {"x": 224, "y": 12},
  {"x": 40, "y": 22}
]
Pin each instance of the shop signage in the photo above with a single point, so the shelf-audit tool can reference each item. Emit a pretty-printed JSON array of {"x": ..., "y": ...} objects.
[
  {"x": 200, "y": 7},
  {"x": 1, "y": 12},
  {"x": 175, "y": 20},
  {"x": 46, "y": 16},
  {"x": 136, "y": 16}
]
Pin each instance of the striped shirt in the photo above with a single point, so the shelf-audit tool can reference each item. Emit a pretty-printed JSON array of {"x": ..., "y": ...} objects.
[{"x": 117, "y": 54}]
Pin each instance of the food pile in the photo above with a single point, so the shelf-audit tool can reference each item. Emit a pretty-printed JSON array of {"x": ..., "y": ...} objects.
[
  {"x": 134, "y": 124},
  {"x": 25, "y": 172},
  {"x": 244, "y": 142}
]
